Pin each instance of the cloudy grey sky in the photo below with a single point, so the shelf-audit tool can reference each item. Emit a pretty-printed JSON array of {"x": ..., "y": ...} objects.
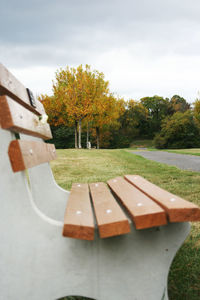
[{"x": 144, "y": 47}]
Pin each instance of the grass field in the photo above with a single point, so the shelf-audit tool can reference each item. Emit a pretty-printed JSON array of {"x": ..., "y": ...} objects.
[
  {"x": 147, "y": 143},
  {"x": 101, "y": 165},
  {"x": 193, "y": 151}
]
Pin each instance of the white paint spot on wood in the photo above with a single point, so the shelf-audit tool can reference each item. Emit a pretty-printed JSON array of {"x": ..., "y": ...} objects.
[
  {"x": 79, "y": 212},
  {"x": 108, "y": 211},
  {"x": 172, "y": 199},
  {"x": 139, "y": 204}
]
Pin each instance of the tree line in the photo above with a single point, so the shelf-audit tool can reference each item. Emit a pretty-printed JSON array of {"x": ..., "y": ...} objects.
[{"x": 83, "y": 111}]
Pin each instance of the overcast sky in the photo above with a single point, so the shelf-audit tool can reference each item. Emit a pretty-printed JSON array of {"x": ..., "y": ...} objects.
[{"x": 144, "y": 47}]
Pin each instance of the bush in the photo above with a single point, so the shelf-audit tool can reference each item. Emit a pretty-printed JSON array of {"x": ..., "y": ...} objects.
[
  {"x": 63, "y": 137},
  {"x": 178, "y": 131},
  {"x": 119, "y": 140}
]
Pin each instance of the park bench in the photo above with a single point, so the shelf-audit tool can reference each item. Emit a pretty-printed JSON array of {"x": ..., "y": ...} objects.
[{"x": 106, "y": 255}]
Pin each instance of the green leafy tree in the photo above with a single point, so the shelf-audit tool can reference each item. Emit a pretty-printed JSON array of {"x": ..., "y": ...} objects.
[
  {"x": 197, "y": 112},
  {"x": 158, "y": 108},
  {"x": 135, "y": 118},
  {"x": 178, "y": 103},
  {"x": 178, "y": 131}
]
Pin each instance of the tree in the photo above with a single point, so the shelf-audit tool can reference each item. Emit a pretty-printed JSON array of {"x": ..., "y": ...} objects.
[
  {"x": 135, "y": 118},
  {"x": 81, "y": 95},
  {"x": 106, "y": 113},
  {"x": 178, "y": 104},
  {"x": 100, "y": 95},
  {"x": 197, "y": 112},
  {"x": 77, "y": 93},
  {"x": 178, "y": 131},
  {"x": 158, "y": 108},
  {"x": 53, "y": 108},
  {"x": 70, "y": 89}
]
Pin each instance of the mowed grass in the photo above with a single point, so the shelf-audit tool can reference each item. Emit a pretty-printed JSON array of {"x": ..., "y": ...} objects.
[
  {"x": 101, "y": 165},
  {"x": 193, "y": 151}
]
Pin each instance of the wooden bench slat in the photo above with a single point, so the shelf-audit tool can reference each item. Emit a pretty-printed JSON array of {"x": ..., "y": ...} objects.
[
  {"x": 144, "y": 211},
  {"x": 10, "y": 86},
  {"x": 110, "y": 218},
  {"x": 79, "y": 221},
  {"x": 27, "y": 154},
  {"x": 177, "y": 209},
  {"x": 16, "y": 118}
]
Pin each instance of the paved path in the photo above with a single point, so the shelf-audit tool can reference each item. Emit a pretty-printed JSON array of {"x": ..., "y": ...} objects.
[{"x": 182, "y": 161}]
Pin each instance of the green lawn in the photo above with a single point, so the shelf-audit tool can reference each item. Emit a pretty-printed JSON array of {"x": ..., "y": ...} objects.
[
  {"x": 148, "y": 143},
  {"x": 193, "y": 151},
  {"x": 101, "y": 165}
]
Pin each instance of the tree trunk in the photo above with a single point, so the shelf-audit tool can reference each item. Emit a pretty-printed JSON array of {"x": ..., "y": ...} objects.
[
  {"x": 76, "y": 135},
  {"x": 98, "y": 137},
  {"x": 79, "y": 134},
  {"x": 87, "y": 141}
]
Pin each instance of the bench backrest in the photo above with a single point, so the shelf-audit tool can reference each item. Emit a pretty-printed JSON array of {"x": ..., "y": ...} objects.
[{"x": 22, "y": 136}]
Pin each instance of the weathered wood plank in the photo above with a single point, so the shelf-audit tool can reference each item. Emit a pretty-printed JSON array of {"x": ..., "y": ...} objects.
[
  {"x": 10, "y": 86},
  {"x": 177, "y": 209},
  {"x": 79, "y": 221},
  {"x": 144, "y": 212},
  {"x": 27, "y": 154},
  {"x": 110, "y": 218},
  {"x": 15, "y": 117}
]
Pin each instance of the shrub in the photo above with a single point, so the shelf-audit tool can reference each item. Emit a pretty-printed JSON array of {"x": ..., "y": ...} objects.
[{"x": 63, "y": 137}]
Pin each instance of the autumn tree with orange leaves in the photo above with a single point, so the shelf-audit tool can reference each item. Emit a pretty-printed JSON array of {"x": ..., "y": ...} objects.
[
  {"x": 72, "y": 90},
  {"x": 106, "y": 113},
  {"x": 80, "y": 95}
]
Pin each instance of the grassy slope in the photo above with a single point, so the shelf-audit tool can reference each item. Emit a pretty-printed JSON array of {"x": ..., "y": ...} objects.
[
  {"x": 142, "y": 143},
  {"x": 101, "y": 165}
]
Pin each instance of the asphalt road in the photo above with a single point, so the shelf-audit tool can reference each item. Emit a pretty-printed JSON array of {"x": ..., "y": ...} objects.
[{"x": 182, "y": 161}]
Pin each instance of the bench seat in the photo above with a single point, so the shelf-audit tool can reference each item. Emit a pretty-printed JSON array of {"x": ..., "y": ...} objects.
[{"x": 146, "y": 204}]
